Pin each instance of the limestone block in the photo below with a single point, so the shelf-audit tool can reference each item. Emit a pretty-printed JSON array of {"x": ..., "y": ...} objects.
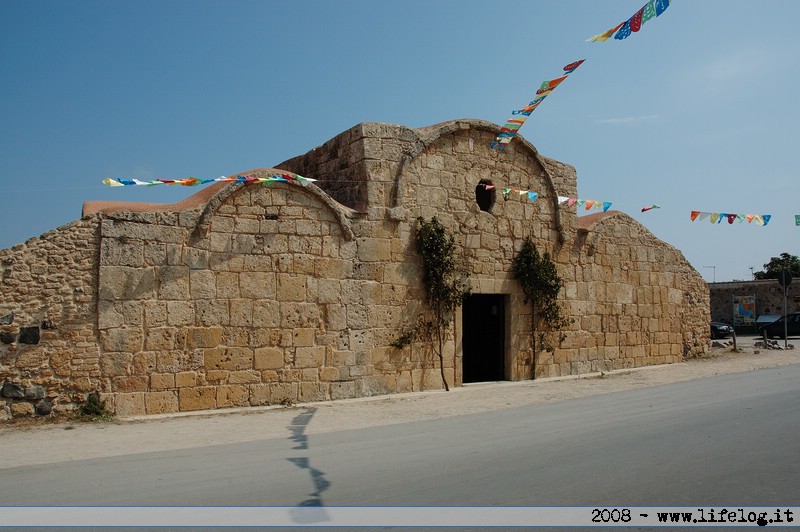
[
  {"x": 121, "y": 340},
  {"x": 142, "y": 363},
  {"x": 268, "y": 358},
  {"x": 259, "y": 394},
  {"x": 173, "y": 282},
  {"x": 177, "y": 360},
  {"x": 312, "y": 391},
  {"x": 291, "y": 287},
  {"x": 155, "y": 314},
  {"x": 241, "y": 312},
  {"x": 162, "y": 381},
  {"x": 374, "y": 250},
  {"x": 342, "y": 390},
  {"x": 216, "y": 376},
  {"x": 283, "y": 392},
  {"x": 127, "y": 384},
  {"x": 290, "y": 375},
  {"x": 336, "y": 317},
  {"x": 248, "y": 376},
  {"x": 328, "y": 291},
  {"x": 197, "y": 398},
  {"x": 203, "y": 337},
  {"x": 309, "y": 357},
  {"x": 227, "y": 285},
  {"x": 230, "y": 395},
  {"x": 303, "y": 337},
  {"x": 258, "y": 285},
  {"x": 161, "y": 402},
  {"x": 210, "y": 312},
  {"x": 129, "y": 404},
  {"x": 160, "y": 338},
  {"x": 116, "y": 364},
  {"x": 202, "y": 284},
  {"x": 266, "y": 313},
  {"x": 122, "y": 282},
  {"x": 328, "y": 374},
  {"x": 178, "y": 313},
  {"x": 185, "y": 379},
  {"x": 269, "y": 375},
  {"x": 231, "y": 358},
  {"x": 294, "y": 315}
]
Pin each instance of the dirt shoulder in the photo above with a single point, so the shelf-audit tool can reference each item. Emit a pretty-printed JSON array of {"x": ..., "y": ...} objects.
[{"x": 37, "y": 443}]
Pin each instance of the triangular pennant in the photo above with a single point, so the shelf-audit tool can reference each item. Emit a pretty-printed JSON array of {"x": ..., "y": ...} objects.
[
  {"x": 766, "y": 218},
  {"x": 758, "y": 219},
  {"x": 649, "y": 11},
  {"x": 564, "y": 199},
  {"x": 797, "y": 219},
  {"x": 606, "y": 205},
  {"x": 714, "y": 217},
  {"x": 603, "y": 37},
  {"x": 624, "y": 32},
  {"x": 703, "y": 215},
  {"x": 749, "y": 218},
  {"x": 693, "y": 215},
  {"x": 732, "y": 218},
  {"x": 636, "y": 20},
  {"x": 661, "y": 6},
  {"x": 571, "y": 202},
  {"x": 532, "y": 196},
  {"x": 570, "y": 68}
]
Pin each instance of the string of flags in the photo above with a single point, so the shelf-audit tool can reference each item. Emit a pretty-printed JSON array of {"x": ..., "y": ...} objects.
[
  {"x": 193, "y": 181},
  {"x": 651, "y": 207},
  {"x": 623, "y": 30},
  {"x": 529, "y": 193},
  {"x": 518, "y": 118},
  {"x": 589, "y": 204},
  {"x": 718, "y": 217}
]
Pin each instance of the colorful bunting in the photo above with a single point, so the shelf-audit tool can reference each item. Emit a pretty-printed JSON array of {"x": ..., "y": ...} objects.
[
  {"x": 193, "y": 181},
  {"x": 588, "y": 204},
  {"x": 509, "y": 130},
  {"x": 718, "y": 217},
  {"x": 623, "y": 30},
  {"x": 651, "y": 207},
  {"x": 531, "y": 195}
]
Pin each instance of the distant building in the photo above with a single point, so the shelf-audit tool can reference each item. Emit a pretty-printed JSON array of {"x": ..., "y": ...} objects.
[{"x": 730, "y": 301}]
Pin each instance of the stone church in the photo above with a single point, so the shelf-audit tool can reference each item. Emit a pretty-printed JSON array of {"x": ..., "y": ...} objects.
[{"x": 246, "y": 295}]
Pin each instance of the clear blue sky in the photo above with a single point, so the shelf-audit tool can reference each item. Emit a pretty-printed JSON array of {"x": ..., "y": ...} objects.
[{"x": 697, "y": 111}]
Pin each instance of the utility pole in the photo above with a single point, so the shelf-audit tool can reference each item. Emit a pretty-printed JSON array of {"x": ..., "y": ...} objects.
[{"x": 715, "y": 272}]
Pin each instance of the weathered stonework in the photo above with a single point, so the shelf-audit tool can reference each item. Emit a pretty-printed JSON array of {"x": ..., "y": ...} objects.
[{"x": 248, "y": 295}]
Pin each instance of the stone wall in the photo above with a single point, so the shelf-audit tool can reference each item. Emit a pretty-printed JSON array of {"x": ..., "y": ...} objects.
[
  {"x": 253, "y": 295},
  {"x": 49, "y": 356}
]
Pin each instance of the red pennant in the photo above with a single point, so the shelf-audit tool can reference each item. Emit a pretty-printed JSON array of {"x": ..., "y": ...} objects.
[{"x": 636, "y": 20}]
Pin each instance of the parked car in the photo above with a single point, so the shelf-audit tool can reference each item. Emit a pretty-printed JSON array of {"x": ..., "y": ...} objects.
[
  {"x": 720, "y": 330},
  {"x": 777, "y": 327}
]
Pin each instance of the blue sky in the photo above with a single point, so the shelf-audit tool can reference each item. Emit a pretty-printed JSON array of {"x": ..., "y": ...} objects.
[{"x": 697, "y": 111}]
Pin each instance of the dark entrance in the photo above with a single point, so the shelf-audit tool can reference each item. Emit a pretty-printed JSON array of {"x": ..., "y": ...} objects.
[{"x": 484, "y": 326}]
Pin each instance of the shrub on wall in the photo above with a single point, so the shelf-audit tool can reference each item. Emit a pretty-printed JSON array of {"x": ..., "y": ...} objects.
[{"x": 541, "y": 285}]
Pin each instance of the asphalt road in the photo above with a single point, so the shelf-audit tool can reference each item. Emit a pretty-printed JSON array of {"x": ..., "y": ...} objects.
[{"x": 724, "y": 440}]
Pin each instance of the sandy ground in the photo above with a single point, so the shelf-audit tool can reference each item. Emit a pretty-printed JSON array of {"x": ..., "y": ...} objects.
[{"x": 26, "y": 444}]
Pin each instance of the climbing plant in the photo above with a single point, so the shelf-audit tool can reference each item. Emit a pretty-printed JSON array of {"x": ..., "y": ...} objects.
[
  {"x": 541, "y": 284},
  {"x": 445, "y": 286}
]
